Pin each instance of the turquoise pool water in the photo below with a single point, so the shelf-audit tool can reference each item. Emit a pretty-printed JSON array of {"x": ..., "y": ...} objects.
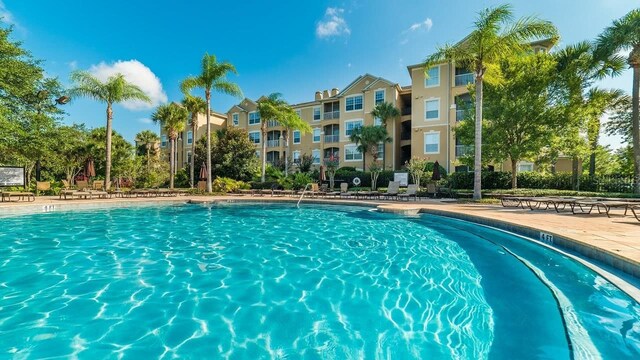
[{"x": 272, "y": 281}]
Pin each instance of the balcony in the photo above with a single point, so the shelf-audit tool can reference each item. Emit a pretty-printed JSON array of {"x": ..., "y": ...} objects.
[
  {"x": 331, "y": 138},
  {"x": 405, "y": 135},
  {"x": 273, "y": 123},
  {"x": 465, "y": 79},
  {"x": 273, "y": 143},
  {"x": 464, "y": 150},
  {"x": 405, "y": 111},
  {"x": 332, "y": 115},
  {"x": 460, "y": 114}
]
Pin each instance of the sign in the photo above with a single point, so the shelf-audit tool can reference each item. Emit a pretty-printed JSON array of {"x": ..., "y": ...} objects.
[
  {"x": 546, "y": 238},
  {"x": 12, "y": 176},
  {"x": 402, "y": 178}
]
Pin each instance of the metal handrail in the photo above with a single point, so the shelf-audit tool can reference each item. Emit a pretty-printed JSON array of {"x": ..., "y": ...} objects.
[{"x": 302, "y": 195}]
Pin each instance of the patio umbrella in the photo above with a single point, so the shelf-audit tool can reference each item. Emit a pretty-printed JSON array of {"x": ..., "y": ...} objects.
[
  {"x": 203, "y": 172},
  {"x": 323, "y": 176},
  {"x": 436, "y": 171},
  {"x": 89, "y": 168}
]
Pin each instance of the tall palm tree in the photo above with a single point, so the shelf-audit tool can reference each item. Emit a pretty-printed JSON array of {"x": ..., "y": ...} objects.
[
  {"x": 385, "y": 111},
  {"x": 624, "y": 34},
  {"x": 114, "y": 90},
  {"x": 213, "y": 76},
  {"x": 173, "y": 120},
  {"x": 195, "y": 105},
  {"x": 149, "y": 139},
  {"x": 290, "y": 121},
  {"x": 578, "y": 67},
  {"x": 495, "y": 36},
  {"x": 599, "y": 101},
  {"x": 270, "y": 107},
  {"x": 367, "y": 139}
]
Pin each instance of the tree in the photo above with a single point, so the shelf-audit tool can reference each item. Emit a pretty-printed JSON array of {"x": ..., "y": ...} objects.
[
  {"x": 71, "y": 150},
  {"x": 416, "y": 167},
  {"x": 367, "y": 139},
  {"x": 624, "y": 34},
  {"x": 495, "y": 37},
  {"x": 233, "y": 155},
  {"x": 212, "y": 77},
  {"x": 385, "y": 111},
  {"x": 290, "y": 121},
  {"x": 148, "y": 139},
  {"x": 195, "y": 105},
  {"x": 114, "y": 90},
  {"x": 620, "y": 122},
  {"x": 270, "y": 107},
  {"x": 519, "y": 120},
  {"x": 122, "y": 151},
  {"x": 173, "y": 120},
  {"x": 599, "y": 101},
  {"x": 578, "y": 67}
]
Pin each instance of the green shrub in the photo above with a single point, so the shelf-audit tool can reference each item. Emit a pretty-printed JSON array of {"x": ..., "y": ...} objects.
[
  {"x": 227, "y": 185},
  {"x": 346, "y": 169},
  {"x": 429, "y": 168},
  {"x": 265, "y": 185},
  {"x": 181, "y": 179},
  {"x": 295, "y": 181}
]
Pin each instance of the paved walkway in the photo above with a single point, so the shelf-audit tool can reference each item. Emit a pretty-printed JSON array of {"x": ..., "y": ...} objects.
[{"x": 618, "y": 237}]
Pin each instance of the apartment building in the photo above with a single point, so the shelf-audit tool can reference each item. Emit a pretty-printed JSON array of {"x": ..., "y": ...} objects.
[{"x": 187, "y": 139}]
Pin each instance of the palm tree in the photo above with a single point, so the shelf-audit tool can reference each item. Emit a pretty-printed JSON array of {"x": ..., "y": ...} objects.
[
  {"x": 270, "y": 107},
  {"x": 578, "y": 67},
  {"x": 173, "y": 120},
  {"x": 149, "y": 139},
  {"x": 598, "y": 101},
  {"x": 212, "y": 77},
  {"x": 195, "y": 105},
  {"x": 496, "y": 36},
  {"x": 385, "y": 111},
  {"x": 624, "y": 34},
  {"x": 114, "y": 90},
  {"x": 367, "y": 139},
  {"x": 290, "y": 121}
]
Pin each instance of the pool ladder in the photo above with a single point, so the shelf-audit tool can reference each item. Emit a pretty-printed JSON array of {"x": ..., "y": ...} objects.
[{"x": 302, "y": 195}]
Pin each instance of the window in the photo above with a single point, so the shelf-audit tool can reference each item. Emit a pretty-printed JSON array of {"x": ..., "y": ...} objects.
[
  {"x": 434, "y": 77},
  {"x": 296, "y": 156},
  {"x": 258, "y": 154},
  {"x": 316, "y": 113},
  {"x": 163, "y": 141},
  {"x": 316, "y": 156},
  {"x": 235, "y": 117},
  {"x": 188, "y": 157},
  {"x": 296, "y": 136},
  {"x": 316, "y": 135},
  {"x": 525, "y": 166},
  {"x": 432, "y": 109},
  {"x": 189, "y": 137},
  {"x": 254, "y": 136},
  {"x": 379, "y": 97},
  {"x": 349, "y": 126},
  {"x": 380, "y": 151},
  {"x": 353, "y": 103},
  {"x": 432, "y": 143},
  {"x": 254, "y": 118},
  {"x": 351, "y": 153},
  {"x": 377, "y": 121}
]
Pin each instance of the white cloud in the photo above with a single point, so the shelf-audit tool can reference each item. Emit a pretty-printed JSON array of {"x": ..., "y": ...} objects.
[
  {"x": 333, "y": 24},
  {"x": 6, "y": 16},
  {"x": 427, "y": 24},
  {"x": 145, "y": 120},
  {"x": 73, "y": 64},
  {"x": 138, "y": 74}
]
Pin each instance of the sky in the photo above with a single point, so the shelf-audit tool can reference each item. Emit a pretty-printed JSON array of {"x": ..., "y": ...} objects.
[{"x": 291, "y": 47}]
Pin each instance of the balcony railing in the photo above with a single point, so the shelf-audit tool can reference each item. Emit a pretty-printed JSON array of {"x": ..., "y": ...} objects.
[
  {"x": 331, "y": 138},
  {"x": 406, "y": 111},
  {"x": 465, "y": 79},
  {"x": 272, "y": 123},
  {"x": 273, "y": 143},
  {"x": 332, "y": 115},
  {"x": 405, "y": 135},
  {"x": 463, "y": 150}
]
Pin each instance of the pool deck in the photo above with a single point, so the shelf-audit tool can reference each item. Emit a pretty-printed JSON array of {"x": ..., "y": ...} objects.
[{"x": 613, "y": 241}]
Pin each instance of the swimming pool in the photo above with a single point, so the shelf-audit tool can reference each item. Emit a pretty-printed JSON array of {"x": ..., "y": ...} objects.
[{"x": 253, "y": 281}]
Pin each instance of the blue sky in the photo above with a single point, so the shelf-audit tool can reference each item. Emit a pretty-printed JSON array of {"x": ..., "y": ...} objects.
[{"x": 291, "y": 47}]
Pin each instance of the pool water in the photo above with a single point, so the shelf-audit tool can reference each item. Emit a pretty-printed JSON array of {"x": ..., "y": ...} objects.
[{"x": 272, "y": 281}]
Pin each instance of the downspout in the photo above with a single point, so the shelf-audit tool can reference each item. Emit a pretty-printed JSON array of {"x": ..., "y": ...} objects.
[{"x": 451, "y": 69}]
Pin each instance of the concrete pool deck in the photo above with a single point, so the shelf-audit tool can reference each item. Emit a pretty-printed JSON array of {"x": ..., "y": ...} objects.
[{"x": 612, "y": 241}]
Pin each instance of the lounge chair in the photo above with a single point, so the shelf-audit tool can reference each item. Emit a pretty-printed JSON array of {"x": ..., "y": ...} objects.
[
  {"x": 21, "y": 195},
  {"x": 392, "y": 190},
  {"x": 42, "y": 186},
  {"x": 344, "y": 190},
  {"x": 432, "y": 189},
  {"x": 412, "y": 191},
  {"x": 71, "y": 194},
  {"x": 603, "y": 206},
  {"x": 82, "y": 185}
]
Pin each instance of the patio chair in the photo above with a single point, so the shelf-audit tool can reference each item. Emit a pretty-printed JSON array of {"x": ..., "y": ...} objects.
[
  {"x": 82, "y": 184},
  {"x": 432, "y": 190},
  {"x": 42, "y": 186},
  {"x": 98, "y": 185},
  {"x": 344, "y": 190},
  {"x": 392, "y": 190},
  {"x": 412, "y": 191},
  {"x": 202, "y": 185},
  {"x": 21, "y": 195}
]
